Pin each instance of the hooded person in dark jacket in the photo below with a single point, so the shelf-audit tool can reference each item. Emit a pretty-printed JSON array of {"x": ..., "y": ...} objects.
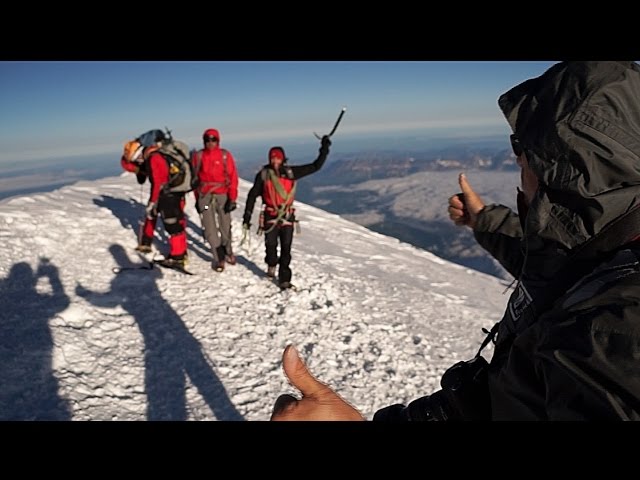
[{"x": 567, "y": 347}]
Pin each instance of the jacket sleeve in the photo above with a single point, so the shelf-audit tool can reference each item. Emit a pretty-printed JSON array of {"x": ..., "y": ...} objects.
[
  {"x": 498, "y": 231},
  {"x": 159, "y": 175},
  {"x": 233, "y": 177},
  {"x": 251, "y": 197},
  {"x": 300, "y": 171}
]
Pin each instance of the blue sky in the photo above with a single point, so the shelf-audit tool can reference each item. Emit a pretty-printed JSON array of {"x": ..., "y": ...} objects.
[{"x": 55, "y": 109}]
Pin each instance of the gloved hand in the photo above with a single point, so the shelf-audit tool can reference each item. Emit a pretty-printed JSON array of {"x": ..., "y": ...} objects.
[
  {"x": 230, "y": 206},
  {"x": 151, "y": 210},
  {"x": 325, "y": 142}
]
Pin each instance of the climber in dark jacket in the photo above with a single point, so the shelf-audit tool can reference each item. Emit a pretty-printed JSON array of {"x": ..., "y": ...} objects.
[
  {"x": 568, "y": 345},
  {"x": 276, "y": 183}
]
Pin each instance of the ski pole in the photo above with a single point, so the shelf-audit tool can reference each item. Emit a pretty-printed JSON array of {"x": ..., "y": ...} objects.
[
  {"x": 136, "y": 267},
  {"x": 124, "y": 269},
  {"x": 335, "y": 127}
]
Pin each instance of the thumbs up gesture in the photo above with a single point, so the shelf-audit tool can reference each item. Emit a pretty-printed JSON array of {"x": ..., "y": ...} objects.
[
  {"x": 464, "y": 207},
  {"x": 318, "y": 401}
]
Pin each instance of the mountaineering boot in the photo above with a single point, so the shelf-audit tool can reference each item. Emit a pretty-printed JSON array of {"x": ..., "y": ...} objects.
[
  {"x": 218, "y": 266},
  {"x": 271, "y": 272},
  {"x": 176, "y": 261},
  {"x": 285, "y": 285},
  {"x": 143, "y": 248},
  {"x": 231, "y": 259}
]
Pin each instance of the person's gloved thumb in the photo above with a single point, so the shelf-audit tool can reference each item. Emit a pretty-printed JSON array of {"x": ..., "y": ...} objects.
[{"x": 298, "y": 374}]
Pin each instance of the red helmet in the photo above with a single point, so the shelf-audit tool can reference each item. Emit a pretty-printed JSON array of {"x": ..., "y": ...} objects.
[{"x": 277, "y": 152}]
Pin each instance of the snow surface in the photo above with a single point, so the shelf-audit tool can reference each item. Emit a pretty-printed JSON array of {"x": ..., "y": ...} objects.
[{"x": 375, "y": 318}]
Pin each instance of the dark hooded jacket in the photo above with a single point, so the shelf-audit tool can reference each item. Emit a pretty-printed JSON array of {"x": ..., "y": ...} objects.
[{"x": 568, "y": 346}]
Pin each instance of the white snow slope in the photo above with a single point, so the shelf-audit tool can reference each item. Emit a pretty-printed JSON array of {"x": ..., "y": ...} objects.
[{"x": 377, "y": 319}]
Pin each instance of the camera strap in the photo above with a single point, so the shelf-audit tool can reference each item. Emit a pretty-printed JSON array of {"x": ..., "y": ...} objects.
[{"x": 490, "y": 335}]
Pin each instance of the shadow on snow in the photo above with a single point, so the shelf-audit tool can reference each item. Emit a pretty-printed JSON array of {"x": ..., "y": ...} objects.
[
  {"x": 171, "y": 352},
  {"x": 28, "y": 388}
]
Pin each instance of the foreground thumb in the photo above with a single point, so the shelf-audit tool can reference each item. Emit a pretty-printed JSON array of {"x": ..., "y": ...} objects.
[
  {"x": 298, "y": 374},
  {"x": 471, "y": 199},
  {"x": 464, "y": 185}
]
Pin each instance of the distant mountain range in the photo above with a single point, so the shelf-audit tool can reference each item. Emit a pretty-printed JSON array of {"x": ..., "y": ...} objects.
[{"x": 363, "y": 166}]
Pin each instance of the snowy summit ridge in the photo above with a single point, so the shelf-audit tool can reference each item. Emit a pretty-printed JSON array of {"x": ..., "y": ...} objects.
[{"x": 377, "y": 319}]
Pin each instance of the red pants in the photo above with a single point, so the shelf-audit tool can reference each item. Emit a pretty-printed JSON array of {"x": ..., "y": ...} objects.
[{"x": 171, "y": 208}]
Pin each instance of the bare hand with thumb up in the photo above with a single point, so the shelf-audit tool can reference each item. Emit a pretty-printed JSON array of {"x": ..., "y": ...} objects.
[
  {"x": 318, "y": 401},
  {"x": 464, "y": 207}
]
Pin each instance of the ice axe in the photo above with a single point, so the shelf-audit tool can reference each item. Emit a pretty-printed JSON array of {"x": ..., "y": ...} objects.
[{"x": 333, "y": 130}]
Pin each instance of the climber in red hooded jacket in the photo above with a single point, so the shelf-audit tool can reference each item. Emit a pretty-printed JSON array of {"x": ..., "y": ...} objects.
[{"x": 216, "y": 196}]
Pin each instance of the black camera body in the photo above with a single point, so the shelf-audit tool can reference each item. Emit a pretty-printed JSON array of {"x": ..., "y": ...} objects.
[{"x": 464, "y": 396}]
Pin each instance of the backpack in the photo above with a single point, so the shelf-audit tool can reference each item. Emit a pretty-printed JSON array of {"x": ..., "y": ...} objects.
[
  {"x": 182, "y": 178},
  {"x": 152, "y": 137}
]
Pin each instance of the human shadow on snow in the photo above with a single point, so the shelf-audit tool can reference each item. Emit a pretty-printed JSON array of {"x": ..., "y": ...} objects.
[
  {"x": 171, "y": 352},
  {"x": 28, "y": 388}
]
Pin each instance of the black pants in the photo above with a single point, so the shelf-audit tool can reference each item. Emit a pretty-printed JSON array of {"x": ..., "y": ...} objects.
[
  {"x": 285, "y": 235},
  {"x": 171, "y": 210}
]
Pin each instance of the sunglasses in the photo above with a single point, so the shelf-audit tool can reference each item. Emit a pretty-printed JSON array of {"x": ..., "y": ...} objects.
[
  {"x": 210, "y": 139},
  {"x": 516, "y": 145}
]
